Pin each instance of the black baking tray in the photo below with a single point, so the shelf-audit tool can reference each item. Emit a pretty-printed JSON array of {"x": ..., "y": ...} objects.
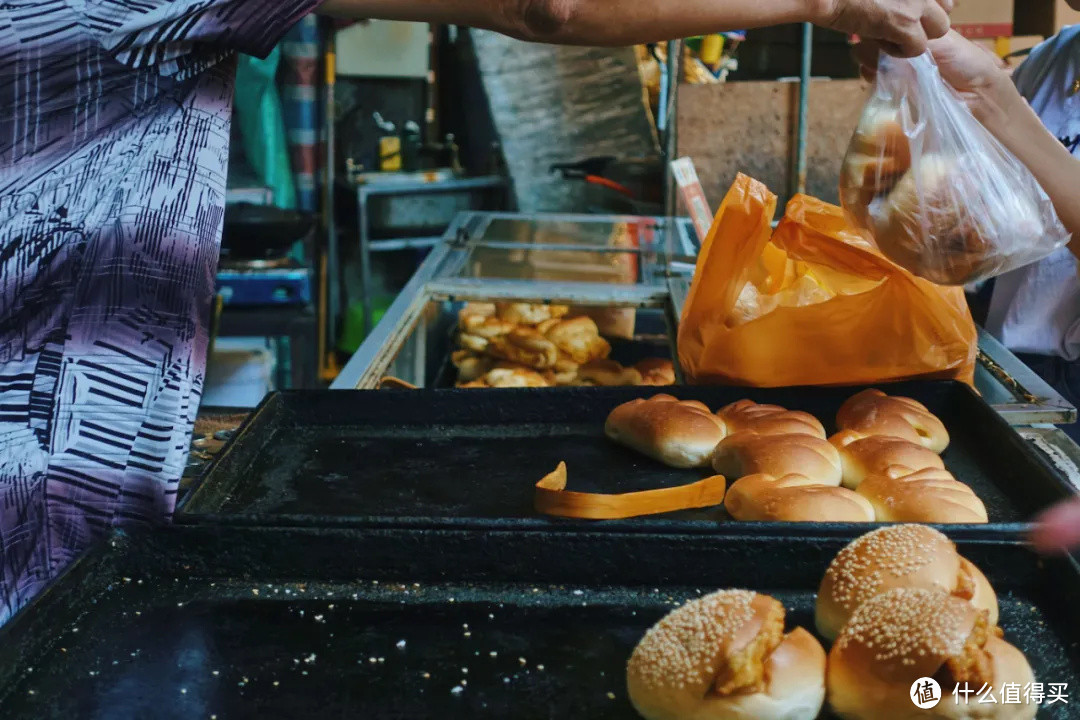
[
  {"x": 202, "y": 622},
  {"x": 465, "y": 457}
]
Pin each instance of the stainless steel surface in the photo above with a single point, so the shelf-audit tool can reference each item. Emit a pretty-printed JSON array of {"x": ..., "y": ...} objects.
[
  {"x": 678, "y": 289},
  {"x": 1015, "y": 390},
  {"x": 1058, "y": 448},
  {"x": 405, "y": 214},
  {"x": 250, "y": 195},
  {"x": 686, "y": 237},
  {"x": 803, "y": 130},
  {"x": 416, "y": 243},
  {"x": 365, "y": 258},
  {"x": 445, "y": 195},
  {"x": 566, "y": 293}
]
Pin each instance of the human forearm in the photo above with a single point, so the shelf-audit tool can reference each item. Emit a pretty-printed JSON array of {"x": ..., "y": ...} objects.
[
  {"x": 1005, "y": 113},
  {"x": 589, "y": 22}
]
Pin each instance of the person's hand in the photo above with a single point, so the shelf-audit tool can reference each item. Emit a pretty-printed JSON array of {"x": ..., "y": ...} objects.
[
  {"x": 902, "y": 27},
  {"x": 977, "y": 75},
  {"x": 963, "y": 64},
  {"x": 1058, "y": 529}
]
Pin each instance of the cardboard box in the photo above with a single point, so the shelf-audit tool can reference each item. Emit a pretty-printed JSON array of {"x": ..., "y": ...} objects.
[
  {"x": 984, "y": 18},
  {"x": 1043, "y": 17}
]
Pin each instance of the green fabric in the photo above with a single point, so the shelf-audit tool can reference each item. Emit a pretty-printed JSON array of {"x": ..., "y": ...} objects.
[
  {"x": 352, "y": 333},
  {"x": 262, "y": 126}
]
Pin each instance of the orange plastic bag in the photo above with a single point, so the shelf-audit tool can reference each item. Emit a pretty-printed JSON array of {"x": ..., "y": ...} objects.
[{"x": 813, "y": 303}]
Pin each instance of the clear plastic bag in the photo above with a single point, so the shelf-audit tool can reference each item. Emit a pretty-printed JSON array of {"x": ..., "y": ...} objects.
[{"x": 941, "y": 196}]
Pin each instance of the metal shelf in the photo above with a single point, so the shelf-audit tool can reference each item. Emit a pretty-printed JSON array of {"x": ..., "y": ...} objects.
[
  {"x": 388, "y": 187},
  {"x": 392, "y": 244}
]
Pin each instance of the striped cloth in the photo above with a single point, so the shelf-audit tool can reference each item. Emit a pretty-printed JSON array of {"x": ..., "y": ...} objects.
[
  {"x": 114, "y": 136},
  {"x": 299, "y": 97}
]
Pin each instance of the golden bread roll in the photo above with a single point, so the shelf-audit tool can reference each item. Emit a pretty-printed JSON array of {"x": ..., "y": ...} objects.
[
  {"x": 470, "y": 366},
  {"x": 749, "y": 416},
  {"x": 656, "y": 371},
  {"x": 881, "y": 134},
  {"x": 903, "y": 635},
  {"x": 725, "y": 657},
  {"x": 879, "y": 155},
  {"x": 485, "y": 327},
  {"x": 563, "y": 363},
  {"x": 763, "y": 498},
  {"x": 863, "y": 455},
  {"x": 475, "y": 309},
  {"x": 543, "y": 327},
  {"x": 472, "y": 343},
  {"x": 747, "y": 453},
  {"x": 515, "y": 377},
  {"x": 616, "y": 322},
  {"x": 681, "y": 434},
  {"x": 565, "y": 370},
  {"x": 864, "y": 177},
  {"x": 872, "y": 412},
  {"x": 928, "y": 225},
  {"x": 897, "y": 556},
  {"x": 579, "y": 339},
  {"x": 929, "y": 496},
  {"x": 525, "y": 346},
  {"x": 528, "y": 313},
  {"x": 607, "y": 373}
]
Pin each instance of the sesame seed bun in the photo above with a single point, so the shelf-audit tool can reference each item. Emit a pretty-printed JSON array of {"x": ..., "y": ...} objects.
[
  {"x": 892, "y": 640},
  {"x": 679, "y": 434},
  {"x": 982, "y": 593},
  {"x": 1009, "y": 666},
  {"x": 725, "y": 657},
  {"x": 898, "y": 556},
  {"x": 903, "y": 635}
]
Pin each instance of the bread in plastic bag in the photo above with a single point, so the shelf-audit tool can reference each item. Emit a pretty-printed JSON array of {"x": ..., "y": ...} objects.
[
  {"x": 941, "y": 196},
  {"x": 813, "y": 303}
]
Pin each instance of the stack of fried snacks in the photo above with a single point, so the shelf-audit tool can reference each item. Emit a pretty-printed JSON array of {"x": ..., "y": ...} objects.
[{"x": 534, "y": 345}]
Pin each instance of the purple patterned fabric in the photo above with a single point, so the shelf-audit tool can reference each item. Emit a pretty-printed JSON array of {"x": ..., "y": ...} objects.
[{"x": 114, "y": 133}]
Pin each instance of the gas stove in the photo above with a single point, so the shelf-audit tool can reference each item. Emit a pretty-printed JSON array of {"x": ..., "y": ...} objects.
[{"x": 265, "y": 281}]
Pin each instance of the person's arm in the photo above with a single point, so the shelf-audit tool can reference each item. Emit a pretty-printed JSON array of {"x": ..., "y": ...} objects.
[
  {"x": 1005, "y": 113},
  {"x": 904, "y": 25}
]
